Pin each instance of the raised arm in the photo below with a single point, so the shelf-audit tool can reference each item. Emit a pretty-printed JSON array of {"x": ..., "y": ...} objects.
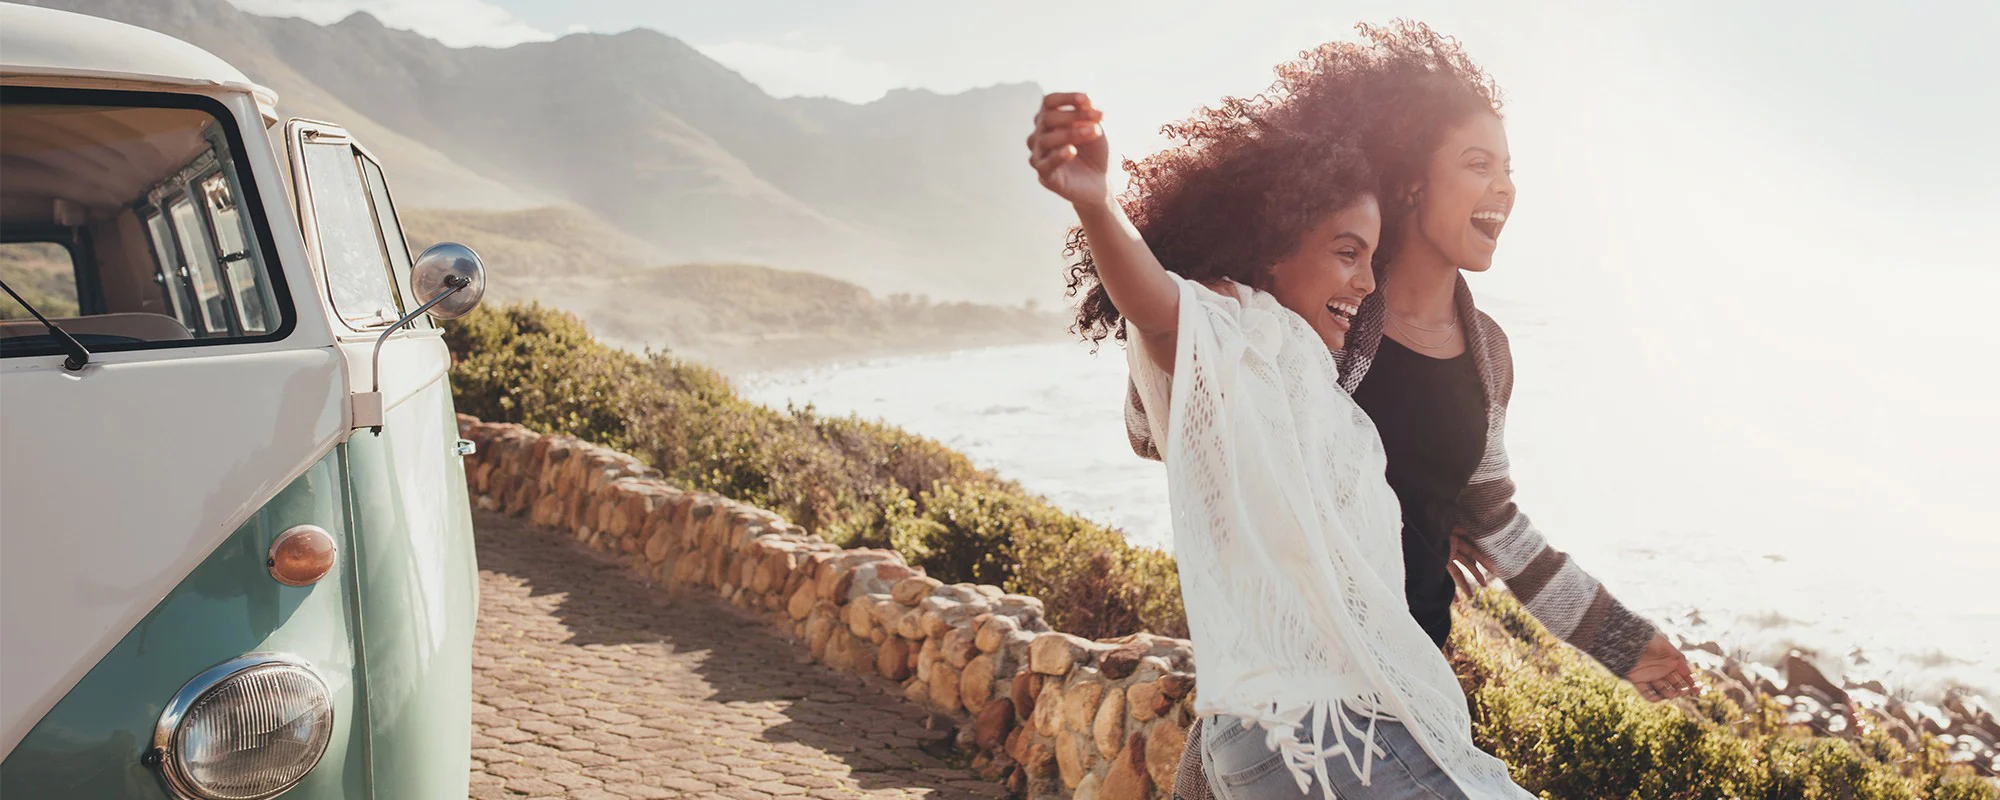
[{"x": 1070, "y": 155}]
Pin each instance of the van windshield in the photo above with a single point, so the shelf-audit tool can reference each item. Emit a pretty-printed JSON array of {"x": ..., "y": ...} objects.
[{"x": 127, "y": 225}]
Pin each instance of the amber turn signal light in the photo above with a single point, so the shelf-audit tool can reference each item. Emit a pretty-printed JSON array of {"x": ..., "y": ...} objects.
[{"x": 302, "y": 555}]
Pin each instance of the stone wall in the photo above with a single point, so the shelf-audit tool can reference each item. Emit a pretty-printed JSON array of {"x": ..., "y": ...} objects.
[{"x": 1048, "y": 713}]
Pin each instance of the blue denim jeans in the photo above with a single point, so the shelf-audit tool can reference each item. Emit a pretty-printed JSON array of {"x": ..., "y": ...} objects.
[{"x": 1241, "y": 767}]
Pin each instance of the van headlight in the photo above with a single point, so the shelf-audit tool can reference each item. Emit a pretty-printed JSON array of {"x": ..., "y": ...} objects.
[{"x": 246, "y": 729}]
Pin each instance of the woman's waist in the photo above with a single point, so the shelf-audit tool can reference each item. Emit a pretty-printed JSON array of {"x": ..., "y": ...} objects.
[
  {"x": 1283, "y": 700},
  {"x": 1249, "y": 678}
]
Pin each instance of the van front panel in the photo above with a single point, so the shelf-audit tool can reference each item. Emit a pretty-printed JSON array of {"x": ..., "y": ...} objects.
[
  {"x": 91, "y": 744},
  {"x": 120, "y": 482}
]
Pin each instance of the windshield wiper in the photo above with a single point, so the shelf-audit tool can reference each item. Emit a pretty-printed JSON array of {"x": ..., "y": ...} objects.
[{"x": 78, "y": 354}]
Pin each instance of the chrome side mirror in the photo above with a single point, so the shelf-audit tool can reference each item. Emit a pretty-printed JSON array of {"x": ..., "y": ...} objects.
[
  {"x": 432, "y": 276},
  {"x": 451, "y": 275}
]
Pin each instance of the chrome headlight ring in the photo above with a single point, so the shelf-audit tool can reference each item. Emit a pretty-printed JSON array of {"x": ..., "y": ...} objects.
[{"x": 249, "y": 728}]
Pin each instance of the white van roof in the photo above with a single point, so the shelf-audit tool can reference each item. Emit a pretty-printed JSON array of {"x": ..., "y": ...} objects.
[{"x": 78, "y": 49}]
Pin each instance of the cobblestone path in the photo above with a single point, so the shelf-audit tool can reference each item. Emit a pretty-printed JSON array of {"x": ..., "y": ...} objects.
[{"x": 589, "y": 683}]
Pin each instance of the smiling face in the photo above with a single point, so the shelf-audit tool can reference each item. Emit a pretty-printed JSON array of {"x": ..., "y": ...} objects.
[
  {"x": 1467, "y": 195},
  {"x": 1327, "y": 275}
]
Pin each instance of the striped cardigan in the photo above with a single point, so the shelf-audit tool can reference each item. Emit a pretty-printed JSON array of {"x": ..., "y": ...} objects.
[{"x": 1557, "y": 592}]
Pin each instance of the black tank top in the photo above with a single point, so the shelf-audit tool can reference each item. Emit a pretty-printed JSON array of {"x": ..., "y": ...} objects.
[{"x": 1431, "y": 413}]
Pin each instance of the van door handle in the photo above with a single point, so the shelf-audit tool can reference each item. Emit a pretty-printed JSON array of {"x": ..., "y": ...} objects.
[{"x": 465, "y": 447}]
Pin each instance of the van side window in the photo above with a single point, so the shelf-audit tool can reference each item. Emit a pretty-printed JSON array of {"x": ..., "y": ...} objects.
[
  {"x": 44, "y": 274},
  {"x": 391, "y": 231},
  {"x": 357, "y": 269},
  {"x": 210, "y": 299},
  {"x": 166, "y": 244},
  {"x": 170, "y": 276},
  {"x": 252, "y": 297}
]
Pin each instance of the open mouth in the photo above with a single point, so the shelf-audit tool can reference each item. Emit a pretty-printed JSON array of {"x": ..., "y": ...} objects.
[
  {"x": 1343, "y": 311},
  {"x": 1489, "y": 223}
]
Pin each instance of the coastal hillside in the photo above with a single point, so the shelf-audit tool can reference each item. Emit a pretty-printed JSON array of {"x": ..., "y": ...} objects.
[{"x": 736, "y": 317}]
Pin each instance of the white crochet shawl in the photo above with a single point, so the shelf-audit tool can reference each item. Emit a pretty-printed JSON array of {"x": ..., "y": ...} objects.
[{"x": 1289, "y": 544}]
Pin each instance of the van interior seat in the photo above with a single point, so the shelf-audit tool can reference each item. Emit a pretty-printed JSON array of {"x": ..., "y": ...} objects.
[{"x": 140, "y": 326}]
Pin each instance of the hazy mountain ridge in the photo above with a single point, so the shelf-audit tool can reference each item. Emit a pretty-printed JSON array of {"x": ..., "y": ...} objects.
[{"x": 915, "y": 191}]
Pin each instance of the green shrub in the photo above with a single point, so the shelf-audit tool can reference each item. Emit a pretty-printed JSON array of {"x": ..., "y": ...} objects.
[
  {"x": 1569, "y": 730},
  {"x": 1961, "y": 787},
  {"x": 1096, "y": 580},
  {"x": 965, "y": 530},
  {"x": 540, "y": 368}
]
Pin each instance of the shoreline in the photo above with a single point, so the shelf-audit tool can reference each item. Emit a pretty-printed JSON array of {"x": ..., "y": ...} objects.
[
  {"x": 1964, "y": 721},
  {"x": 741, "y": 357},
  {"x": 747, "y": 357}
]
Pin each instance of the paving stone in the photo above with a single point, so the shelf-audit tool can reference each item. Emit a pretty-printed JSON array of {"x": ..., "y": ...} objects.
[
  {"x": 639, "y": 791},
  {"x": 689, "y": 785},
  {"x": 533, "y": 786},
  {"x": 756, "y": 774},
  {"x": 570, "y": 781}
]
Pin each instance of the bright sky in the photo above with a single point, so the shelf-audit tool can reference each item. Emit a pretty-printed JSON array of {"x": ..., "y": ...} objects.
[
  {"x": 1789, "y": 206},
  {"x": 1895, "y": 105}
]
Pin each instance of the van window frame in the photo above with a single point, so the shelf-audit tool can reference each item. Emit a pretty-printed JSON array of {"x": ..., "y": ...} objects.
[
  {"x": 189, "y": 186},
  {"x": 250, "y": 203},
  {"x": 169, "y": 273},
  {"x": 403, "y": 272},
  {"x": 197, "y": 231},
  {"x": 299, "y": 135},
  {"x": 197, "y": 188}
]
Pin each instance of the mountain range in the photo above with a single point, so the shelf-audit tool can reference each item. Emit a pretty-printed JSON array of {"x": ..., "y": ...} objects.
[{"x": 642, "y": 134}]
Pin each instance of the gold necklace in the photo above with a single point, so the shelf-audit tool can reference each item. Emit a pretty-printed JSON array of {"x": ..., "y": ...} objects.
[
  {"x": 1449, "y": 333},
  {"x": 1452, "y": 327}
]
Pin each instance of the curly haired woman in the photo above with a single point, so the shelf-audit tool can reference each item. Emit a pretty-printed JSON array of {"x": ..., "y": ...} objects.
[
  {"x": 1432, "y": 371},
  {"x": 1239, "y": 270}
]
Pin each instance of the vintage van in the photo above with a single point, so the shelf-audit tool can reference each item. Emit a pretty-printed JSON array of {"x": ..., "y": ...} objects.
[{"x": 236, "y": 558}]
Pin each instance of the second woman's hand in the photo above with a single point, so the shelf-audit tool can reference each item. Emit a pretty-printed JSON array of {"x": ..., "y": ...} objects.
[
  {"x": 1468, "y": 566},
  {"x": 1662, "y": 672},
  {"x": 1068, "y": 150}
]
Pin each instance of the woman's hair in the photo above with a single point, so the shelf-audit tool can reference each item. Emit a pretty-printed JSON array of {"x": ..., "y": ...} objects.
[{"x": 1249, "y": 177}]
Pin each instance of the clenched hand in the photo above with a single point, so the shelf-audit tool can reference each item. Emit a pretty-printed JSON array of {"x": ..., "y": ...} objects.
[{"x": 1068, "y": 150}]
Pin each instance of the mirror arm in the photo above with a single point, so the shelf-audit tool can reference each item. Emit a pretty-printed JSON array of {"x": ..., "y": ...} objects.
[{"x": 452, "y": 284}]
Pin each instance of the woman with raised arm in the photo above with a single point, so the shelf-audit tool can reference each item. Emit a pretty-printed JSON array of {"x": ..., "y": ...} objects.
[
  {"x": 1237, "y": 273},
  {"x": 1433, "y": 372}
]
